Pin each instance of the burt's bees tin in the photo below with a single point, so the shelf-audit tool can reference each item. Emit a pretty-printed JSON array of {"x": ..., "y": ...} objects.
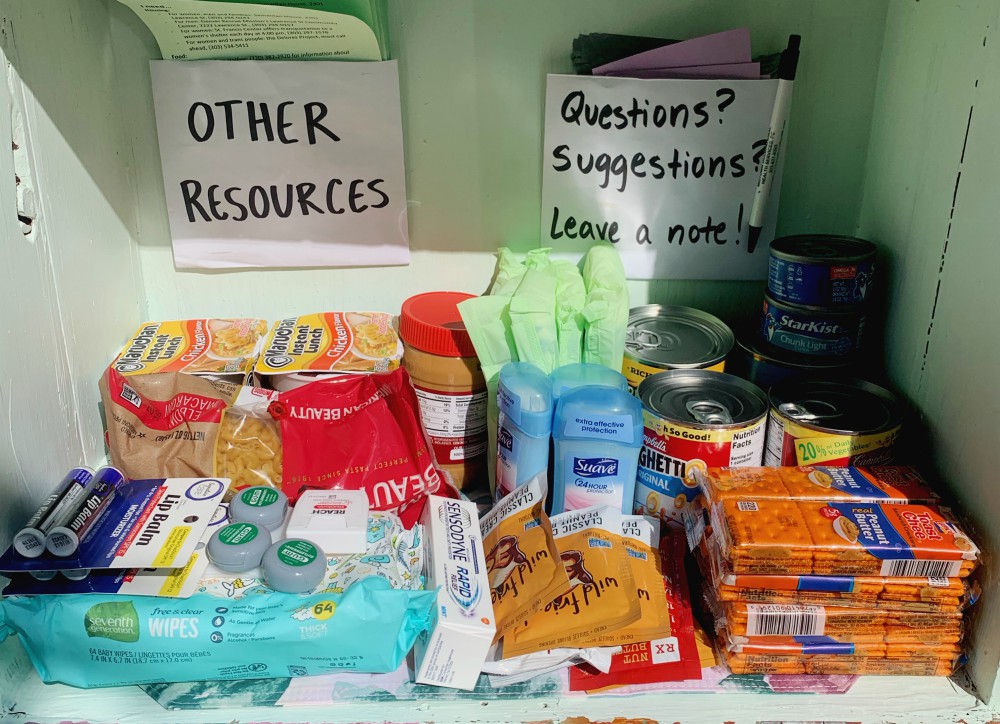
[
  {"x": 820, "y": 270},
  {"x": 662, "y": 338},
  {"x": 694, "y": 419},
  {"x": 811, "y": 330},
  {"x": 850, "y": 422}
]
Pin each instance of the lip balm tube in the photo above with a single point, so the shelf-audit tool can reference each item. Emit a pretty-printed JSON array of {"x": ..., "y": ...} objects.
[
  {"x": 30, "y": 540},
  {"x": 64, "y": 539},
  {"x": 261, "y": 505}
]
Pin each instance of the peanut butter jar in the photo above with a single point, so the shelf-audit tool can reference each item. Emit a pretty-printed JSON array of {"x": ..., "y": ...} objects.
[{"x": 442, "y": 364}]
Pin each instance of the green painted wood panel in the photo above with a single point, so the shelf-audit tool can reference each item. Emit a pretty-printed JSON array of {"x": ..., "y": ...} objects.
[
  {"x": 931, "y": 202},
  {"x": 472, "y": 83}
]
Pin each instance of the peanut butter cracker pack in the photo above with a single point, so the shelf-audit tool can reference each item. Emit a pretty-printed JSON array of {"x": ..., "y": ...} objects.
[
  {"x": 641, "y": 535},
  {"x": 522, "y": 561},
  {"x": 602, "y": 595}
]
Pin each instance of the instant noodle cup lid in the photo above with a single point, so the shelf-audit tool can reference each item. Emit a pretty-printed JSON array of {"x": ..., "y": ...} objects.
[
  {"x": 215, "y": 348},
  {"x": 294, "y": 566},
  {"x": 431, "y": 323},
  {"x": 331, "y": 342},
  {"x": 262, "y": 505},
  {"x": 238, "y": 547}
]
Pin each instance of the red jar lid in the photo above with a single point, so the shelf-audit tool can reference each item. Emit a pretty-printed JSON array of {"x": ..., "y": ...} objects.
[{"x": 431, "y": 323}]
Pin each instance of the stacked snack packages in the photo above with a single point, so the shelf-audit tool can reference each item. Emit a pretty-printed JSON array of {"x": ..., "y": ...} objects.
[
  {"x": 823, "y": 570},
  {"x": 566, "y": 586}
]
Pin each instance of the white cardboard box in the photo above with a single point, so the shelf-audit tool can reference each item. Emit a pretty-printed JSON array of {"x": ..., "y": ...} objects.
[{"x": 453, "y": 652}]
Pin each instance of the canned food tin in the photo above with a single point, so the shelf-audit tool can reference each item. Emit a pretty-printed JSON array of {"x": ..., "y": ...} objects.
[
  {"x": 850, "y": 422},
  {"x": 694, "y": 419},
  {"x": 662, "y": 338},
  {"x": 820, "y": 270},
  {"x": 765, "y": 365},
  {"x": 811, "y": 330}
]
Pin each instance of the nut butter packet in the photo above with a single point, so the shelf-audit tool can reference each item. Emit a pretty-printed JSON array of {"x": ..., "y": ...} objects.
[
  {"x": 641, "y": 537},
  {"x": 602, "y": 595},
  {"x": 522, "y": 560}
]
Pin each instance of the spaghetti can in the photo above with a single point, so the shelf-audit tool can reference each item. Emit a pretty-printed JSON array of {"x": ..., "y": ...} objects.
[
  {"x": 820, "y": 270},
  {"x": 694, "y": 419},
  {"x": 662, "y": 338},
  {"x": 850, "y": 422},
  {"x": 812, "y": 330}
]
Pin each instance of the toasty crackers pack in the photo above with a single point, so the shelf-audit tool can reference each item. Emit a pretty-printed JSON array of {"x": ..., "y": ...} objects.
[
  {"x": 838, "y": 538},
  {"x": 602, "y": 594},
  {"x": 522, "y": 560}
]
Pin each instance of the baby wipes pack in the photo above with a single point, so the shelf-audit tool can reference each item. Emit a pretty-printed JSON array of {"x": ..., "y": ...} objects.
[{"x": 122, "y": 640}]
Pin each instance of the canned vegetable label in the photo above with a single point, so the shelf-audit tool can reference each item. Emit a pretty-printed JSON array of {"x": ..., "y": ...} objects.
[
  {"x": 789, "y": 443},
  {"x": 636, "y": 372},
  {"x": 812, "y": 332}
]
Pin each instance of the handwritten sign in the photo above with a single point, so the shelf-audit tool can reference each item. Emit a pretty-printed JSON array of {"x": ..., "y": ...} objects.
[
  {"x": 282, "y": 164},
  {"x": 664, "y": 169}
]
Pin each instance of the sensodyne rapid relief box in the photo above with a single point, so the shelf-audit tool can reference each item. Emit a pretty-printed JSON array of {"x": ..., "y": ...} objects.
[{"x": 453, "y": 651}]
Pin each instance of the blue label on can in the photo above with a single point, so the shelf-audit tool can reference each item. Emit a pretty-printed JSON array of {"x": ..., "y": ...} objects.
[
  {"x": 819, "y": 285},
  {"x": 806, "y": 332}
]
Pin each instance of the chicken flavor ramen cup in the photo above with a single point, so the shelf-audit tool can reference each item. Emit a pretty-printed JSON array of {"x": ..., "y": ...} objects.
[
  {"x": 298, "y": 349},
  {"x": 223, "y": 349}
]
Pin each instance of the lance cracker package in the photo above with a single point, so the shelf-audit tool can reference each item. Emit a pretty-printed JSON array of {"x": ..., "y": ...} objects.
[
  {"x": 522, "y": 561},
  {"x": 602, "y": 596}
]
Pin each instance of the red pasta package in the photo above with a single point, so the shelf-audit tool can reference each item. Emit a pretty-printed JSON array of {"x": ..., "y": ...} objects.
[{"x": 358, "y": 432}]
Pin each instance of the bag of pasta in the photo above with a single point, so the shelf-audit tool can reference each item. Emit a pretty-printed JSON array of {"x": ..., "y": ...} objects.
[
  {"x": 163, "y": 425},
  {"x": 248, "y": 450}
]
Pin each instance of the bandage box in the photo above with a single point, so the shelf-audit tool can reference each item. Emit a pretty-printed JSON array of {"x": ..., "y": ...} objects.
[{"x": 452, "y": 653}]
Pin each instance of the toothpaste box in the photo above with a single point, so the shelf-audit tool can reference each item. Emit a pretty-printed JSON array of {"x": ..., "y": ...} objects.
[{"x": 453, "y": 651}]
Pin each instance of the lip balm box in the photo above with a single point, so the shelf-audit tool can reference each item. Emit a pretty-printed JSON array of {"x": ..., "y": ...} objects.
[{"x": 452, "y": 653}]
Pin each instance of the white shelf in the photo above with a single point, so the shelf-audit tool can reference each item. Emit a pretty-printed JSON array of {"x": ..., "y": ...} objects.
[{"x": 901, "y": 700}]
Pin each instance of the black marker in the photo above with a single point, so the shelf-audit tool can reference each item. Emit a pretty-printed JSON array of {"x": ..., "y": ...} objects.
[{"x": 775, "y": 135}]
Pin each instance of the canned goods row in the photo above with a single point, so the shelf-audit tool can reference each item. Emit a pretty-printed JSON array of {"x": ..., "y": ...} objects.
[
  {"x": 696, "y": 419},
  {"x": 817, "y": 288}
]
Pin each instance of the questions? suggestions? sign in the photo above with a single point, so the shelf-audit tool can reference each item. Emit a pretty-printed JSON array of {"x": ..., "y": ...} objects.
[{"x": 664, "y": 169}]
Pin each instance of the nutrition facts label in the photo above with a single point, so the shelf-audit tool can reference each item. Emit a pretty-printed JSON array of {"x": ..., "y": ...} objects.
[{"x": 456, "y": 423}]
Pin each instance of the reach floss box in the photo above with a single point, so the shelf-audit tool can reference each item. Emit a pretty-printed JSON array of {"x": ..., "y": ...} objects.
[{"x": 453, "y": 651}]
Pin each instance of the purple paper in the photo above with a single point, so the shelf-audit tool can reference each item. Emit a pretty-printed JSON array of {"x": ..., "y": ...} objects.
[
  {"x": 729, "y": 46},
  {"x": 749, "y": 71}
]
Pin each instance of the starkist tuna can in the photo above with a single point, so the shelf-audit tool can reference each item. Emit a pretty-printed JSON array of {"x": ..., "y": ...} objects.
[
  {"x": 811, "y": 330},
  {"x": 662, "y": 338},
  {"x": 850, "y": 422},
  {"x": 765, "y": 365},
  {"x": 694, "y": 419},
  {"x": 818, "y": 270}
]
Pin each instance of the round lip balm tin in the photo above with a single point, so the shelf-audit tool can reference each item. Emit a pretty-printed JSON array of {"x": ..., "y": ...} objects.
[
  {"x": 294, "y": 565},
  {"x": 238, "y": 547},
  {"x": 261, "y": 505}
]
